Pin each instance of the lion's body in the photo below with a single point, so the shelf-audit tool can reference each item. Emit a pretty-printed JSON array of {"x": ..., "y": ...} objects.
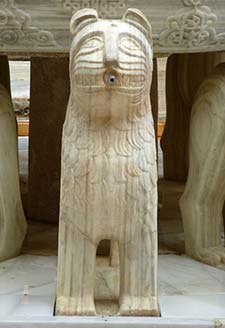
[{"x": 105, "y": 177}]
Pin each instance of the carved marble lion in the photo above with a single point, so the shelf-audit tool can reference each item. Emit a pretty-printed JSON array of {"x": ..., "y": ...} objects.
[
  {"x": 109, "y": 173},
  {"x": 203, "y": 199},
  {"x": 12, "y": 221}
]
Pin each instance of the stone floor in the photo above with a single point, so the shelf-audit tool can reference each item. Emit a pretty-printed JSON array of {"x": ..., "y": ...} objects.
[{"x": 187, "y": 289}]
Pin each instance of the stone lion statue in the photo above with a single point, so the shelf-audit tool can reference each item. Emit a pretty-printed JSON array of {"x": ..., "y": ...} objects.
[
  {"x": 12, "y": 220},
  {"x": 109, "y": 172},
  {"x": 203, "y": 199}
]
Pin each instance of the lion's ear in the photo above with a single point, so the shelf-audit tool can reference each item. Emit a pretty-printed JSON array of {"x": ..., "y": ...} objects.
[
  {"x": 138, "y": 19},
  {"x": 82, "y": 18}
]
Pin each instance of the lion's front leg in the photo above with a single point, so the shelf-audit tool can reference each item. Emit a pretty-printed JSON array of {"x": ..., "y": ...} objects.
[
  {"x": 138, "y": 275},
  {"x": 76, "y": 273}
]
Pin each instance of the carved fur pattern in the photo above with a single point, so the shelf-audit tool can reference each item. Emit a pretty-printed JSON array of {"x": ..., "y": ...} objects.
[{"x": 89, "y": 153}]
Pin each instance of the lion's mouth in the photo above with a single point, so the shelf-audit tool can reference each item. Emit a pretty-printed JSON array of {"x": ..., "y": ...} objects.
[{"x": 111, "y": 78}]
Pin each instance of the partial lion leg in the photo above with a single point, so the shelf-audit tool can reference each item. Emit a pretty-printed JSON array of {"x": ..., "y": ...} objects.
[
  {"x": 76, "y": 273},
  {"x": 203, "y": 199},
  {"x": 138, "y": 265},
  {"x": 13, "y": 224}
]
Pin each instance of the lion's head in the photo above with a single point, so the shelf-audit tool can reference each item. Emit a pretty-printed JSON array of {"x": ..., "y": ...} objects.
[{"x": 110, "y": 63}]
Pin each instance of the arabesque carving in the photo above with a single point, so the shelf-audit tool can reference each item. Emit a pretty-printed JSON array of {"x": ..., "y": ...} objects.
[
  {"x": 109, "y": 8},
  {"x": 16, "y": 28},
  {"x": 192, "y": 27}
]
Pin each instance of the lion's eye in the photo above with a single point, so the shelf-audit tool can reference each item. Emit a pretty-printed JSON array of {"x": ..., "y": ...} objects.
[
  {"x": 94, "y": 42},
  {"x": 130, "y": 44}
]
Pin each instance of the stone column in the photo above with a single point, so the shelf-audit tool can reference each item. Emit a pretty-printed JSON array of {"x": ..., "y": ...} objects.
[
  {"x": 184, "y": 75},
  {"x": 4, "y": 72},
  {"x": 49, "y": 97}
]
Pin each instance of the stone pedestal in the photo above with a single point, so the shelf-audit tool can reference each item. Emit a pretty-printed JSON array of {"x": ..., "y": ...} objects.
[{"x": 49, "y": 97}]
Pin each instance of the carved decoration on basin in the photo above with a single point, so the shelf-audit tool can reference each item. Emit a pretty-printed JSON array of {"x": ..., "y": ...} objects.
[
  {"x": 109, "y": 9},
  {"x": 194, "y": 26},
  {"x": 16, "y": 28}
]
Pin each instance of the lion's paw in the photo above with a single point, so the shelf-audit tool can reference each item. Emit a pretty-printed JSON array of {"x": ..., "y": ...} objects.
[
  {"x": 213, "y": 256},
  {"x": 138, "y": 306},
  {"x": 71, "y": 306}
]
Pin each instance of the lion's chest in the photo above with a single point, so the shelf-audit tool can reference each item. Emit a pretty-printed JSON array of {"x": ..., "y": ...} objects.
[
  {"x": 108, "y": 172},
  {"x": 105, "y": 169}
]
